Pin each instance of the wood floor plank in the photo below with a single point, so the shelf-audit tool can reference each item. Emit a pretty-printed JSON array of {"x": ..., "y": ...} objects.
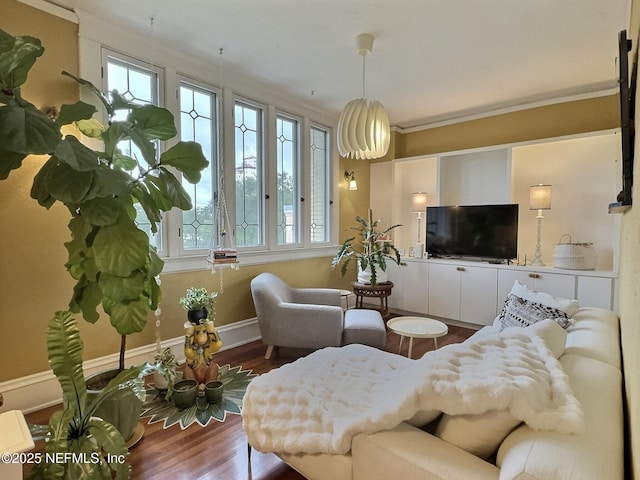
[{"x": 219, "y": 450}]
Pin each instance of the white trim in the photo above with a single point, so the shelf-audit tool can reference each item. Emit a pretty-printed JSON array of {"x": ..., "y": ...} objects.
[
  {"x": 501, "y": 111},
  {"x": 55, "y": 10},
  {"x": 522, "y": 143},
  {"x": 199, "y": 262},
  {"x": 41, "y": 390}
]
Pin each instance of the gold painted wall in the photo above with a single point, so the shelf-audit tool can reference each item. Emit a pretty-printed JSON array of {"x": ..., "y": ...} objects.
[
  {"x": 600, "y": 113},
  {"x": 629, "y": 297}
]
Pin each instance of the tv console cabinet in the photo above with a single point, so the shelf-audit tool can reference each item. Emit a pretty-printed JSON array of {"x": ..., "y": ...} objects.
[{"x": 474, "y": 292}]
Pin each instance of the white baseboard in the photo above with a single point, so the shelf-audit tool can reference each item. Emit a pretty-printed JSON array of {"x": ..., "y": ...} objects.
[{"x": 42, "y": 390}]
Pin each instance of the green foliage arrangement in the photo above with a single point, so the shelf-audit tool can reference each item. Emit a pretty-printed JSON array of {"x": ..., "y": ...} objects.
[
  {"x": 197, "y": 298},
  {"x": 74, "y": 430},
  {"x": 368, "y": 248},
  {"x": 166, "y": 365},
  {"x": 109, "y": 256}
]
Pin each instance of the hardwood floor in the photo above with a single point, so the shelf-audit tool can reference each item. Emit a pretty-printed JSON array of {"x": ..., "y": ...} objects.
[{"x": 219, "y": 450}]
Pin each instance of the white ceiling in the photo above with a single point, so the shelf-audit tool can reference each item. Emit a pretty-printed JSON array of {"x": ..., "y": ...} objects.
[{"x": 432, "y": 60}]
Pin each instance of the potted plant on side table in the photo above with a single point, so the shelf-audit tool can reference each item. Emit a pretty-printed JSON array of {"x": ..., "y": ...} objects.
[{"x": 371, "y": 250}]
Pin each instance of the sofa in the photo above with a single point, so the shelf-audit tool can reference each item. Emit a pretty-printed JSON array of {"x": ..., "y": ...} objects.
[{"x": 592, "y": 361}]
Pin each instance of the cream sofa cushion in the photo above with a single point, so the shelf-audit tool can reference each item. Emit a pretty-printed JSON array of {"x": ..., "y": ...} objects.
[
  {"x": 480, "y": 435},
  {"x": 595, "y": 334},
  {"x": 595, "y": 454}
]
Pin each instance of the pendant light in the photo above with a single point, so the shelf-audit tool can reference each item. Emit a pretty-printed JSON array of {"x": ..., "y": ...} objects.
[{"x": 363, "y": 128}]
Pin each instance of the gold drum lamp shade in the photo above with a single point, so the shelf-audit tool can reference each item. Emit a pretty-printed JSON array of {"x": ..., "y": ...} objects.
[{"x": 363, "y": 127}]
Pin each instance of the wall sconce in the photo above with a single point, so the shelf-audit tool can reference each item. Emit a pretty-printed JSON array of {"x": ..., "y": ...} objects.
[
  {"x": 418, "y": 206},
  {"x": 350, "y": 177},
  {"x": 539, "y": 199}
]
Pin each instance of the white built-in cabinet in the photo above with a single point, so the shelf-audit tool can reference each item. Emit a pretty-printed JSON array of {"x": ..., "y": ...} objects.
[
  {"x": 584, "y": 172},
  {"x": 474, "y": 292},
  {"x": 462, "y": 292}
]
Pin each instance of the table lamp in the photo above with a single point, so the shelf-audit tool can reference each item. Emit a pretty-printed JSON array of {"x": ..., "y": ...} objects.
[
  {"x": 418, "y": 206},
  {"x": 539, "y": 199}
]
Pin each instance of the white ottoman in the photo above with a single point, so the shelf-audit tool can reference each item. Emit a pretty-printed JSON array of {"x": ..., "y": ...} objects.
[{"x": 365, "y": 327}]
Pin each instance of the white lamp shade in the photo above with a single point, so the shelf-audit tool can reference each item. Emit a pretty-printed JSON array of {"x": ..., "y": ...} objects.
[
  {"x": 418, "y": 202},
  {"x": 540, "y": 197},
  {"x": 363, "y": 130}
]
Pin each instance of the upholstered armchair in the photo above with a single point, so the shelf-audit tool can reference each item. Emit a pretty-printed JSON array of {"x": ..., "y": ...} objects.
[{"x": 296, "y": 317}]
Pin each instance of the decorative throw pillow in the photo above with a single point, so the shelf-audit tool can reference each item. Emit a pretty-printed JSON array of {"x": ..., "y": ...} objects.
[
  {"x": 567, "y": 305},
  {"x": 518, "y": 312},
  {"x": 480, "y": 435}
]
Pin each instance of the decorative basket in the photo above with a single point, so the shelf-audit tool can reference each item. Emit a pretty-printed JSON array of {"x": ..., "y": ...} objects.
[{"x": 574, "y": 256}]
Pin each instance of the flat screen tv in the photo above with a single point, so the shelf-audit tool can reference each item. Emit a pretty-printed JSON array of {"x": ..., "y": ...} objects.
[{"x": 476, "y": 231}]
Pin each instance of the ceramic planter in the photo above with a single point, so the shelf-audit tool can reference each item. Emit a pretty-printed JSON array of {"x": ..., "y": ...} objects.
[
  {"x": 213, "y": 391},
  {"x": 195, "y": 316},
  {"x": 364, "y": 276},
  {"x": 185, "y": 393},
  {"x": 121, "y": 408}
]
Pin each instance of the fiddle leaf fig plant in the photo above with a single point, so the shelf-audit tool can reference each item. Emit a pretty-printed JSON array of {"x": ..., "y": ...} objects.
[{"x": 106, "y": 189}]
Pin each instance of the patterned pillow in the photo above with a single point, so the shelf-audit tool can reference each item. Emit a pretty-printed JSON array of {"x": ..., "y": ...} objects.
[{"x": 518, "y": 312}]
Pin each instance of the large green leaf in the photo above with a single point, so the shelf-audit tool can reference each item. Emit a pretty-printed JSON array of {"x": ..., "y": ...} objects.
[
  {"x": 130, "y": 317},
  {"x": 186, "y": 157},
  {"x": 121, "y": 289},
  {"x": 87, "y": 296},
  {"x": 174, "y": 190},
  {"x": 74, "y": 113},
  {"x": 40, "y": 187},
  {"x": 112, "y": 443},
  {"x": 64, "y": 347},
  {"x": 17, "y": 56},
  {"x": 25, "y": 129},
  {"x": 120, "y": 249},
  {"x": 157, "y": 186},
  {"x": 9, "y": 161},
  {"x": 101, "y": 211},
  {"x": 109, "y": 182},
  {"x": 76, "y": 155},
  {"x": 151, "y": 209},
  {"x": 68, "y": 185},
  {"x": 155, "y": 122}
]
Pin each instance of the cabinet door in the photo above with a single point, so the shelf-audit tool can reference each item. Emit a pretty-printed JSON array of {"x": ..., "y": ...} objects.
[
  {"x": 444, "y": 291},
  {"x": 410, "y": 286},
  {"x": 595, "y": 292},
  {"x": 557, "y": 284},
  {"x": 478, "y": 295}
]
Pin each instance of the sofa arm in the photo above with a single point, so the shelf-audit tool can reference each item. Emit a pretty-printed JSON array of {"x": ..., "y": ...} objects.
[
  {"x": 319, "y": 296},
  {"x": 307, "y": 326},
  {"x": 408, "y": 452}
]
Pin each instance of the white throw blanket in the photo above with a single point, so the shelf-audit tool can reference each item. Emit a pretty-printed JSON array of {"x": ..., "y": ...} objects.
[{"x": 318, "y": 403}]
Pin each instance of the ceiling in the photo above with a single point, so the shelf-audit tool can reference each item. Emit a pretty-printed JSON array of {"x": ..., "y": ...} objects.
[{"x": 432, "y": 60}]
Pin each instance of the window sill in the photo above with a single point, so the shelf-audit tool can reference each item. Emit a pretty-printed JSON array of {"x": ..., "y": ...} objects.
[{"x": 199, "y": 262}]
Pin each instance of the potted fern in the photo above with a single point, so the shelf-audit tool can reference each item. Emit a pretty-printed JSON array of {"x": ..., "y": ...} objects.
[{"x": 371, "y": 249}]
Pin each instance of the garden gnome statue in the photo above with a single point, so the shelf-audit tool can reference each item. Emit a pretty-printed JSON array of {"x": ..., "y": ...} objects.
[{"x": 200, "y": 343}]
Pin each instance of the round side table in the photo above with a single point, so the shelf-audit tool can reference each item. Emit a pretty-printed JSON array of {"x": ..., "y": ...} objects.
[
  {"x": 381, "y": 291},
  {"x": 417, "y": 327}
]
